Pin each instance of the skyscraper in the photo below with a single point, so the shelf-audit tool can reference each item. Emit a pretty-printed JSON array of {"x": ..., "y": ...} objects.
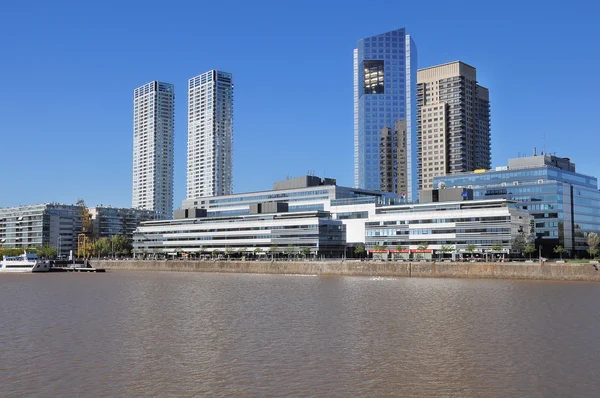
[
  {"x": 385, "y": 68},
  {"x": 153, "y": 131},
  {"x": 453, "y": 122},
  {"x": 210, "y": 135}
]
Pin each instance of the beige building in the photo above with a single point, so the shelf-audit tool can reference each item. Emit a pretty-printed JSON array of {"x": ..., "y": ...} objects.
[
  {"x": 453, "y": 122},
  {"x": 392, "y": 159}
]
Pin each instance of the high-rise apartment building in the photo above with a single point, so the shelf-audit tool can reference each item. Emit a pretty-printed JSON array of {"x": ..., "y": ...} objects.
[
  {"x": 210, "y": 135},
  {"x": 384, "y": 100},
  {"x": 453, "y": 122},
  {"x": 153, "y": 142}
]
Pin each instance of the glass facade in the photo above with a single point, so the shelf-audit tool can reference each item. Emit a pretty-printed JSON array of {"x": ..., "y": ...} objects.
[
  {"x": 384, "y": 94},
  {"x": 564, "y": 205}
]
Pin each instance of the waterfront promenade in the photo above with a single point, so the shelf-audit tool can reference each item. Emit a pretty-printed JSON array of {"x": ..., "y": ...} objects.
[{"x": 493, "y": 270}]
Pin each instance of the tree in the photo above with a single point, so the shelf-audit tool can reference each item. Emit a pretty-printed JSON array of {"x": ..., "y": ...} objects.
[
  {"x": 359, "y": 250},
  {"x": 103, "y": 246},
  {"x": 305, "y": 251},
  {"x": 378, "y": 247},
  {"x": 529, "y": 248},
  {"x": 471, "y": 249},
  {"x": 518, "y": 243},
  {"x": 273, "y": 250},
  {"x": 289, "y": 250},
  {"x": 46, "y": 251},
  {"x": 215, "y": 253},
  {"x": 120, "y": 245},
  {"x": 593, "y": 240},
  {"x": 228, "y": 252},
  {"x": 423, "y": 246},
  {"x": 497, "y": 247},
  {"x": 257, "y": 251},
  {"x": 446, "y": 249},
  {"x": 559, "y": 250}
]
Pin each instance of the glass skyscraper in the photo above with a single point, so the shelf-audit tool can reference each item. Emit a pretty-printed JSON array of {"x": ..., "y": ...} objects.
[
  {"x": 153, "y": 146},
  {"x": 385, "y": 73},
  {"x": 210, "y": 135}
]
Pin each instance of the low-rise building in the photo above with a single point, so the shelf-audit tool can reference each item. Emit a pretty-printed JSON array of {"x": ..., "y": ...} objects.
[
  {"x": 107, "y": 222},
  {"x": 309, "y": 232},
  {"x": 564, "y": 205},
  {"x": 50, "y": 224},
  {"x": 461, "y": 228}
]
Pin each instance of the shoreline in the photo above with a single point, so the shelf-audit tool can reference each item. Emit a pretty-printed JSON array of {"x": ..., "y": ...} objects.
[{"x": 480, "y": 270}]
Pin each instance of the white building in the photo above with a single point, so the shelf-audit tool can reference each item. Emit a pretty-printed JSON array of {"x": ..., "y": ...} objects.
[
  {"x": 310, "y": 232},
  {"x": 153, "y": 145},
  {"x": 460, "y": 226},
  {"x": 210, "y": 135}
]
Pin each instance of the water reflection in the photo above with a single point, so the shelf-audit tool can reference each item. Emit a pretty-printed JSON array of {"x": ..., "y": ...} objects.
[{"x": 144, "y": 333}]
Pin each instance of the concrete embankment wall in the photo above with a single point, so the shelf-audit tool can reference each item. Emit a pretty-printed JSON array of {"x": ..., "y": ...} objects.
[{"x": 548, "y": 271}]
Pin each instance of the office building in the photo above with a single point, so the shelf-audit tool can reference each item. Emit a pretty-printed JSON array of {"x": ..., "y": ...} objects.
[
  {"x": 107, "y": 222},
  {"x": 384, "y": 114},
  {"x": 153, "y": 146},
  {"x": 453, "y": 122},
  {"x": 564, "y": 205},
  {"x": 269, "y": 229},
  {"x": 50, "y": 224},
  {"x": 210, "y": 135},
  {"x": 462, "y": 227}
]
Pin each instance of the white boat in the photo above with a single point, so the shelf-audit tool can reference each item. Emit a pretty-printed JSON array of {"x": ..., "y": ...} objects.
[{"x": 26, "y": 262}]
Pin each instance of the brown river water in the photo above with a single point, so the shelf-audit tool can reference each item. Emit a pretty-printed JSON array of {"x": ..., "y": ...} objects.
[{"x": 123, "y": 334}]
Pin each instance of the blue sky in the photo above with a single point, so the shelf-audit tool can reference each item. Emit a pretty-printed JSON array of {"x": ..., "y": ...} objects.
[{"x": 69, "y": 68}]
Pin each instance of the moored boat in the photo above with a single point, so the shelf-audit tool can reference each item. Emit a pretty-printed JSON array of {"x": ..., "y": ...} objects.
[{"x": 26, "y": 262}]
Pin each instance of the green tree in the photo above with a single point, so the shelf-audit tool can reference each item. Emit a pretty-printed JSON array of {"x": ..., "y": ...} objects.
[
  {"x": 359, "y": 250},
  {"x": 273, "y": 250},
  {"x": 257, "y": 251},
  {"x": 379, "y": 247},
  {"x": 423, "y": 246},
  {"x": 529, "y": 249},
  {"x": 446, "y": 249},
  {"x": 305, "y": 251},
  {"x": 120, "y": 245},
  {"x": 228, "y": 252},
  {"x": 103, "y": 246},
  {"x": 471, "y": 249},
  {"x": 289, "y": 250},
  {"x": 497, "y": 247},
  {"x": 559, "y": 250},
  {"x": 46, "y": 251},
  {"x": 593, "y": 240}
]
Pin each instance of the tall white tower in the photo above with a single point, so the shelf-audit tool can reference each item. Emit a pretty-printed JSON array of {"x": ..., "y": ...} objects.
[
  {"x": 210, "y": 135},
  {"x": 153, "y": 132}
]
